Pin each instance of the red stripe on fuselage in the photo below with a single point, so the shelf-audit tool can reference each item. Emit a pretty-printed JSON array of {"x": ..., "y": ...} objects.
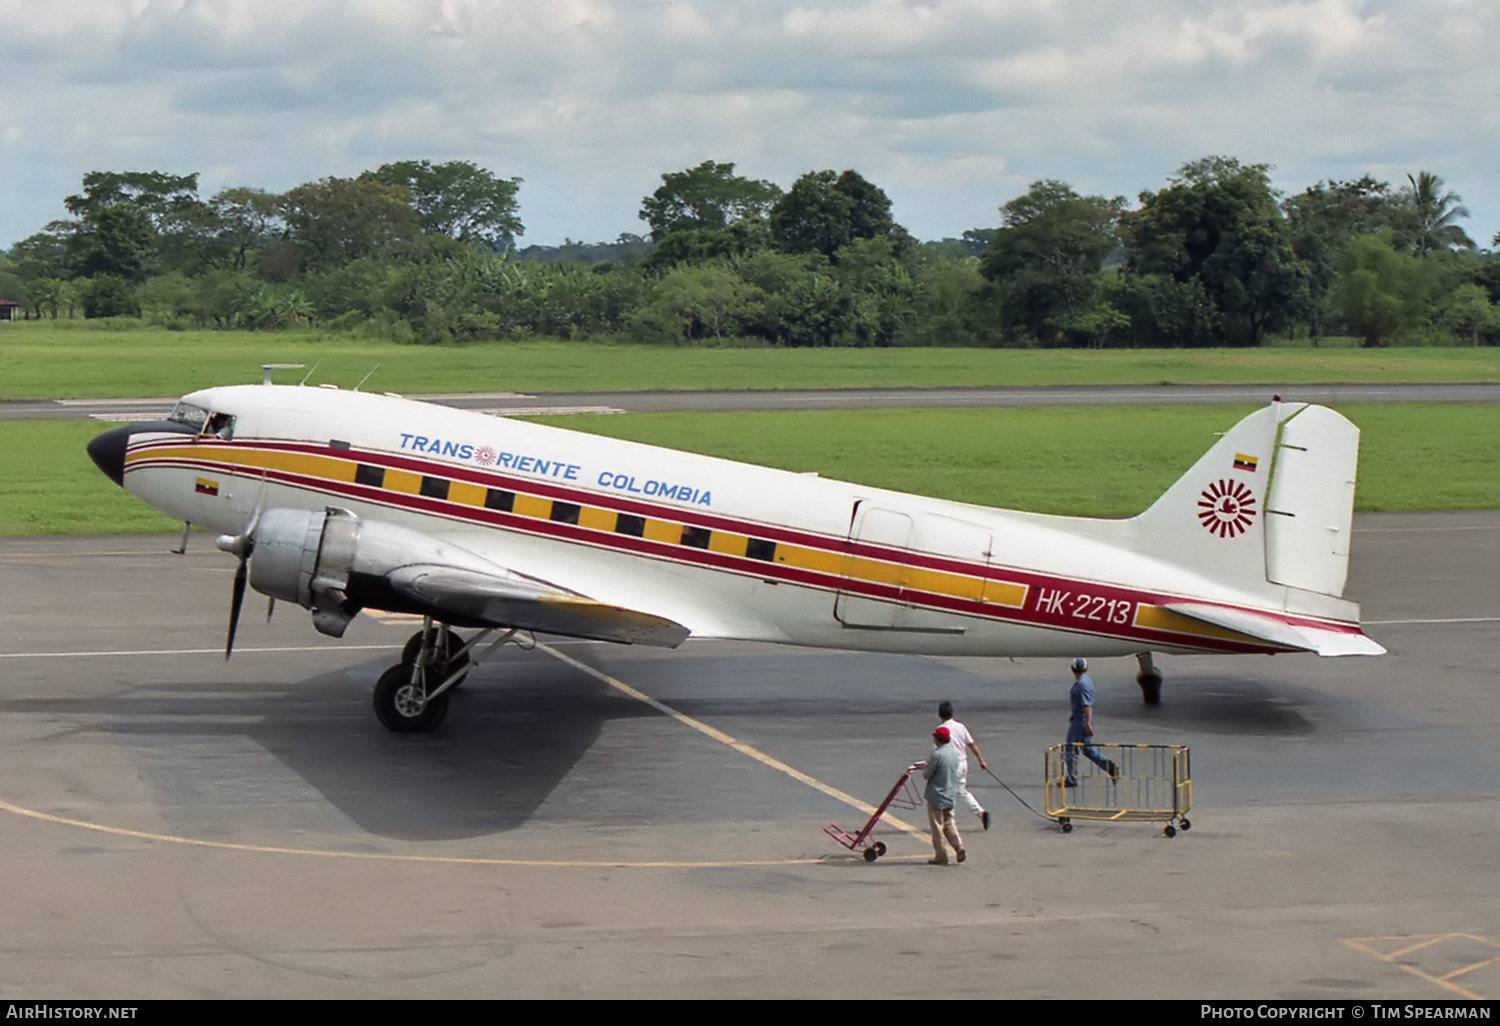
[{"x": 1085, "y": 607}]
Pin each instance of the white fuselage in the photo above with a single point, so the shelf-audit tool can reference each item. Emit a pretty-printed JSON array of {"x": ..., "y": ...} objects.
[{"x": 729, "y": 550}]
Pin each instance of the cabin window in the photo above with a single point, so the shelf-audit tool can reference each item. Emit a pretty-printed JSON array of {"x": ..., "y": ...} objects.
[
  {"x": 696, "y": 537},
  {"x": 631, "y": 525},
  {"x": 435, "y": 487},
  {"x": 498, "y": 498},
  {"x": 759, "y": 548},
  {"x": 373, "y": 477},
  {"x": 564, "y": 512}
]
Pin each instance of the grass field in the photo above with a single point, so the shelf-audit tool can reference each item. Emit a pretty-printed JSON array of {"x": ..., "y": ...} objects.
[
  {"x": 1101, "y": 461},
  {"x": 83, "y": 360}
]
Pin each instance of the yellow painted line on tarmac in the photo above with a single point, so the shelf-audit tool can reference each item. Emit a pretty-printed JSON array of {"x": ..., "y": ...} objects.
[
  {"x": 703, "y": 728},
  {"x": 54, "y": 556},
  {"x": 122, "y": 652},
  {"x": 730, "y": 742},
  {"x": 1410, "y": 945},
  {"x": 453, "y": 860},
  {"x": 393, "y": 618}
]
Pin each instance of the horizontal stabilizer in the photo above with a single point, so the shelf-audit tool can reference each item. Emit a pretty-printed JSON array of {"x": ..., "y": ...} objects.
[
  {"x": 1341, "y": 643},
  {"x": 515, "y": 601},
  {"x": 1302, "y": 638}
]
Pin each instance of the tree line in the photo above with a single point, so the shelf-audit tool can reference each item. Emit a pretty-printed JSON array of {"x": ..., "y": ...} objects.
[{"x": 425, "y": 252}]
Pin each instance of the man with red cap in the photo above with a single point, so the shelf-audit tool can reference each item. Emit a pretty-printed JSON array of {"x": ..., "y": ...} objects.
[{"x": 941, "y": 773}]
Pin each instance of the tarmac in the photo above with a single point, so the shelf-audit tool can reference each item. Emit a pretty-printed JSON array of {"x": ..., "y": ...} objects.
[{"x": 602, "y": 821}]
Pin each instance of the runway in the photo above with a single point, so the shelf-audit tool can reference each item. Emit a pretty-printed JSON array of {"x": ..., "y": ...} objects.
[
  {"x": 600, "y": 821},
  {"x": 523, "y": 404}
]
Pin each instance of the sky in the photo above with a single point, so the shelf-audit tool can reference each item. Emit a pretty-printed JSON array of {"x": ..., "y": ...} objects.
[{"x": 953, "y": 107}]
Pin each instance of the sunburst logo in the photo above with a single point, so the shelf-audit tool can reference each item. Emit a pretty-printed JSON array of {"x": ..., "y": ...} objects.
[
  {"x": 485, "y": 456},
  {"x": 1226, "y": 508}
]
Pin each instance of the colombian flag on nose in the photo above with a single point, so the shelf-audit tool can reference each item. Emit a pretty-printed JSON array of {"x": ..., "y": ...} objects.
[{"x": 1243, "y": 462}]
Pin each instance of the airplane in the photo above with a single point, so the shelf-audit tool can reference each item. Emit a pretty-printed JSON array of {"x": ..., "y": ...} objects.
[{"x": 341, "y": 501}]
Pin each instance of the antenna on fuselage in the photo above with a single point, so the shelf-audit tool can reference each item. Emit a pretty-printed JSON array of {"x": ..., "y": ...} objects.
[
  {"x": 310, "y": 373},
  {"x": 367, "y": 376},
  {"x": 267, "y": 368}
]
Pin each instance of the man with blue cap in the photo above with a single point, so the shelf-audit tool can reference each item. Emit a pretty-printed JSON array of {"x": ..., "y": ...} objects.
[{"x": 1081, "y": 726}]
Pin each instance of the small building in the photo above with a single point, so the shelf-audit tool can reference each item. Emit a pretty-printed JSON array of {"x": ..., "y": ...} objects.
[{"x": 9, "y": 311}]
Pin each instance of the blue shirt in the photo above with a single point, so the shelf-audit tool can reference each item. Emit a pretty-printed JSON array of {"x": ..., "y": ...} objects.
[
  {"x": 1080, "y": 697},
  {"x": 942, "y": 776}
]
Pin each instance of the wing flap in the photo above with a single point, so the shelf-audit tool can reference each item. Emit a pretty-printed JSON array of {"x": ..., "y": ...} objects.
[
  {"x": 529, "y": 604},
  {"x": 1324, "y": 641}
]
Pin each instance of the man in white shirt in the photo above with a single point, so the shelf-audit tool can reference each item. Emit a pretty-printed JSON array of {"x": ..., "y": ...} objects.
[{"x": 963, "y": 744}]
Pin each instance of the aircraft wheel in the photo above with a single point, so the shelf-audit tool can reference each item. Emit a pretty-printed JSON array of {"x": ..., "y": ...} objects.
[
  {"x": 880, "y": 848},
  {"x": 397, "y": 705},
  {"x": 871, "y": 854},
  {"x": 413, "y": 648},
  {"x": 1170, "y": 831},
  {"x": 1150, "y": 687}
]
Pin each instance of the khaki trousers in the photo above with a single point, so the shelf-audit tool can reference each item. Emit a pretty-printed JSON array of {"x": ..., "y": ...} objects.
[{"x": 943, "y": 826}]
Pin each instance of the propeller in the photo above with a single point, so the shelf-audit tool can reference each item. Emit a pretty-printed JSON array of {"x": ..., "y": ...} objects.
[{"x": 241, "y": 545}]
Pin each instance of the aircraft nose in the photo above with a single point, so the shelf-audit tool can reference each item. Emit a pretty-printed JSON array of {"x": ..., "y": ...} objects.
[{"x": 107, "y": 450}]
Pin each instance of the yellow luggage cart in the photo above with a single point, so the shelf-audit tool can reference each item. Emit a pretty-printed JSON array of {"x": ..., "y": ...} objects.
[{"x": 1119, "y": 783}]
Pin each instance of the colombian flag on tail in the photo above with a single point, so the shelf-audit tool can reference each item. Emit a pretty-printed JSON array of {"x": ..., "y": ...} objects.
[{"x": 1243, "y": 462}]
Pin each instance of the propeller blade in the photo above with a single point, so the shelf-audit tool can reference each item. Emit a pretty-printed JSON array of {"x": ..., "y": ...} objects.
[
  {"x": 241, "y": 545},
  {"x": 241, "y": 573}
]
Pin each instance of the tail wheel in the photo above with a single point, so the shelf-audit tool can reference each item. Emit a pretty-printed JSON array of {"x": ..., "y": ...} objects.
[
  {"x": 1150, "y": 687},
  {"x": 400, "y": 705},
  {"x": 446, "y": 662}
]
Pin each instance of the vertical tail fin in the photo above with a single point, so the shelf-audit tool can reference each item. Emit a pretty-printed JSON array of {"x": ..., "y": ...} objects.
[{"x": 1270, "y": 505}]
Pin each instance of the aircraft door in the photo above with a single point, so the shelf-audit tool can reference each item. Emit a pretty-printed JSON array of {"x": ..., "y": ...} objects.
[
  {"x": 922, "y": 588},
  {"x": 874, "y": 526}
]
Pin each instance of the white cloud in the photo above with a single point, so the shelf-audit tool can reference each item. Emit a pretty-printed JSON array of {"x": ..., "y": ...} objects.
[{"x": 952, "y": 105}]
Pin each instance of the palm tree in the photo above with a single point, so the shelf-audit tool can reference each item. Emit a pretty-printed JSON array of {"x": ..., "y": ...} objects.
[
  {"x": 48, "y": 294},
  {"x": 1435, "y": 214}
]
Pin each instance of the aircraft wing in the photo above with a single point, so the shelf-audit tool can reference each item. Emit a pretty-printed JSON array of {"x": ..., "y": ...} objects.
[
  {"x": 529, "y": 604},
  {"x": 1300, "y": 637}
]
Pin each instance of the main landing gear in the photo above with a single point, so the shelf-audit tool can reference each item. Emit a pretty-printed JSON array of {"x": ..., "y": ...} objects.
[
  {"x": 412, "y": 696},
  {"x": 1149, "y": 678}
]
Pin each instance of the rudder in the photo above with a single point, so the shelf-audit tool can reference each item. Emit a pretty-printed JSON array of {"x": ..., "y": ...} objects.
[{"x": 1310, "y": 511}]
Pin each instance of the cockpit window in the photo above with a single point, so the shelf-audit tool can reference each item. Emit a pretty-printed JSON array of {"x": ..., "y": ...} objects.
[
  {"x": 203, "y": 423},
  {"x": 186, "y": 413},
  {"x": 220, "y": 425}
]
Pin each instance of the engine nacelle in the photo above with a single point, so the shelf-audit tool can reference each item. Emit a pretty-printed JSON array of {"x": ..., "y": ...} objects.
[{"x": 311, "y": 557}]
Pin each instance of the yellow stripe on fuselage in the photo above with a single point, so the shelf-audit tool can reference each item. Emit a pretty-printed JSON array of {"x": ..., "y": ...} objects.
[
  {"x": 892, "y": 572},
  {"x": 1158, "y": 619}
]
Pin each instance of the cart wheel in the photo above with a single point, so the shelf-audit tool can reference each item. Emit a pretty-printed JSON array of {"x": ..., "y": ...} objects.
[
  {"x": 1184, "y": 824},
  {"x": 1066, "y": 824},
  {"x": 1170, "y": 831},
  {"x": 871, "y": 854},
  {"x": 880, "y": 848}
]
